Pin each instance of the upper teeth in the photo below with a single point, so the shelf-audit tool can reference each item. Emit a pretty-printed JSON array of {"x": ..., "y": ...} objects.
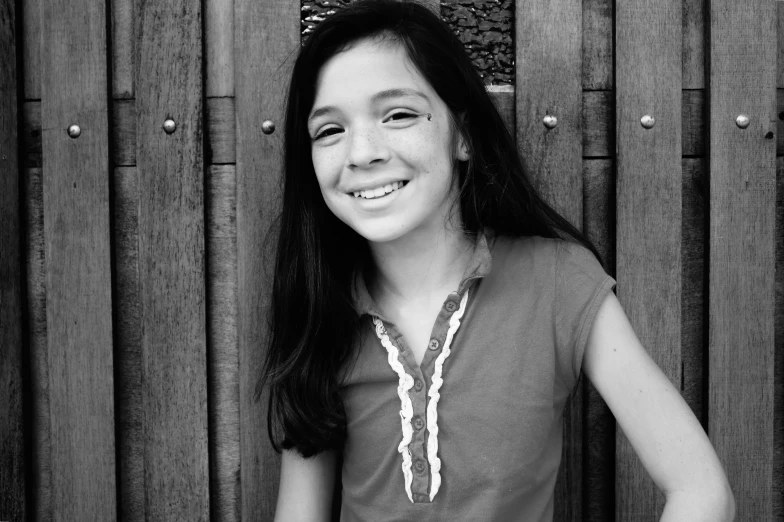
[{"x": 379, "y": 191}]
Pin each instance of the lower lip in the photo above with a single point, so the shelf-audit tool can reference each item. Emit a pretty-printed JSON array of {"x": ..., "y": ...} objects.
[{"x": 379, "y": 202}]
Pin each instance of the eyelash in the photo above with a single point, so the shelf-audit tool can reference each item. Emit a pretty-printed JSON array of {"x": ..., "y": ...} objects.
[{"x": 324, "y": 133}]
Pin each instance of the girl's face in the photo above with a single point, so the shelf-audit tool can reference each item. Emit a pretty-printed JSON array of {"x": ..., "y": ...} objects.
[{"x": 384, "y": 169}]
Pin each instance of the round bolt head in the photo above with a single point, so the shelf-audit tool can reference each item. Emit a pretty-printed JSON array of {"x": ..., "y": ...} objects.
[
  {"x": 74, "y": 131},
  {"x": 648, "y": 121},
  {"x": 268, "y": 127},
  {"x": 742, "y": 121},
  {"x": 550, "y": 121},
  {"x": 169, "y": 126}
]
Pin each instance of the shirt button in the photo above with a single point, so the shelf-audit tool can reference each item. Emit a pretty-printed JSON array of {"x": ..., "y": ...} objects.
[
  {"x": 419, "y": 423},
  {"x": 434, "y": 344},
  {"x": 451, "y": 306},
  {"x": 418, "y": 384},
  {"x": 420, "y": 466}
]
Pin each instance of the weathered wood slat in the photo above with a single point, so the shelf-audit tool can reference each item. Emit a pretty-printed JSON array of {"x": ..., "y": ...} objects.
[
  {"x": 694, "y": 193},
  {"x": 648, "y": 82},
  {"x": 12, "y": 462},
  {"x": 742, "y": 248},
  {"x": 170, "y": 169},
  {"x": 128, "y": 350},
  {"x": 780, "y": 45},
  {"x": 219, "y": 48},
  {"x": 123, "y": 48},
  {"x": 778, "y": 371},
  {"x": 261, "y": 74},
  {"x": 31, "y": 48},
  {"x": 548, "y": 58},
  {"x": 221, "y": 131},
  {"x": 597, "y": 61},
  {"x": 694, "y": 36},
  {"x": 78, "y": 271},
  {"x": 223, "y": 355},
  {"x": 40, "y": 508},
  {"x": 599, "y": 433}
]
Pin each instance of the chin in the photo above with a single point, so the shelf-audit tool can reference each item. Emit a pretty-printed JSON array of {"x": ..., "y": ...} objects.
[{"x": 380, "y": 233}]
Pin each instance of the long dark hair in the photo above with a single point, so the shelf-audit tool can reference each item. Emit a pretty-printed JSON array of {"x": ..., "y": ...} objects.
[{"x": 314, "y": 325}]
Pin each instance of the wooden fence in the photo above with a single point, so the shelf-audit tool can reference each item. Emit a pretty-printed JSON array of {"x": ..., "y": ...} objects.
[{"x": 134, "y": 276}]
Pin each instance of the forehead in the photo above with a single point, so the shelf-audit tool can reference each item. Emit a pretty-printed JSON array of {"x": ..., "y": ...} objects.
[{"x": 364, "y": 69}]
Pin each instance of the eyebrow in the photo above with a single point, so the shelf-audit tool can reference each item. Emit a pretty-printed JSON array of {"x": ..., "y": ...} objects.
[{"x": 379, "y": 96}]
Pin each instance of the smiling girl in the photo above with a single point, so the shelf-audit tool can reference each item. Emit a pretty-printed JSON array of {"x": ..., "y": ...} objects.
[{"x": 431, "y": 314}]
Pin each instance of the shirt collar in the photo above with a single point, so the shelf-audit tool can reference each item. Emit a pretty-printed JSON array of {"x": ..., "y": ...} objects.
[{"x": 478, "y": 267}]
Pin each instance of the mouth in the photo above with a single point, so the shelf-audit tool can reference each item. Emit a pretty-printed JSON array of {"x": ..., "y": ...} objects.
[{"x": 380, "y": 192}]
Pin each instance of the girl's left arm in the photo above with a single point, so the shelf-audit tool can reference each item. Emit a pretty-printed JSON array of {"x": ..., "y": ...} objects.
[{"x": 659, "y": 424}]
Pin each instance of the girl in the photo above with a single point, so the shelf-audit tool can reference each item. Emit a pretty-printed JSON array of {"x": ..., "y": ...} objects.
[{"x": 431, "y": 313}]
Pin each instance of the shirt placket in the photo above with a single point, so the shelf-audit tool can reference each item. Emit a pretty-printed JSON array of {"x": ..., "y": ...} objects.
[{"x": 420, "y": 464}]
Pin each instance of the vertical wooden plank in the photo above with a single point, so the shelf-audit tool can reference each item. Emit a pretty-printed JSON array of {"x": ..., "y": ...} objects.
[
  {"x": 266, "y": 35},
  {"x": 223, "y": 366},
  {"x": 31, "y": 48},
  {"x": 778, "y": 373},
  {"x": 693, "y": 53},
  {"x": 128, "y": 350},
  {"x": 548, "y": 80},
  {"x": 742, "y": 248},
  {"x": 168, "y": 82},
  {"x": 648, "y": 82},
  {"x": 219, "y": 48},
  {"x": 12, "y": 468},
  {"x": 123, "y": 48},
  {"x": 694, "y": 201},
  {"x": 597, "y": 52},
  {"x": 599, "y": 433},
  {"x": 78, "y": 277},
  {"x": 40, "y": 427}
]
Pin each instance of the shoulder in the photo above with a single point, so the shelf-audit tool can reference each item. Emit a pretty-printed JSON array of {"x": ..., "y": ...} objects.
[{"x": 542, "y": 255}]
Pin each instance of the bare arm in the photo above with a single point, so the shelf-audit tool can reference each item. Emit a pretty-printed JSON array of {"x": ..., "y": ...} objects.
[
  {"x": 306, "y": 487},
  {"x": 661, "y": 428}
]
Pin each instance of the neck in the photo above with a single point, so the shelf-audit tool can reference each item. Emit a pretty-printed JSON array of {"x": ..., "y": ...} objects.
[{"x": 420, "y": 267}]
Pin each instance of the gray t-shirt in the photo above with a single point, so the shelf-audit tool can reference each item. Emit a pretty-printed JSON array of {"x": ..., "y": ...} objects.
[{"x": 475, "y": 432}]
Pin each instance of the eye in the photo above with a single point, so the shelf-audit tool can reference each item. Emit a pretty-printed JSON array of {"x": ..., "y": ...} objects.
[
  {"x": 325, "y": 133},
  {"x": 404, "y": 115}
]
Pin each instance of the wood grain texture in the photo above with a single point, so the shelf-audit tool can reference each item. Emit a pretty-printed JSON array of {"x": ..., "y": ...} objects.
[
  {"x": 221, "y": 132},
  {"x": 599, "y": 432},
  {"x": 263, "y": 63},
  {"x": 648, "y": 81},
  {"x": 742, "y": 249},
  {"x": 31, "y": 48},
  {"x": 12, "y": 461},
  {"x": 123, "y": 48},
  {"x": 223, "y": 364},
  {"x": 40, "y": 474},
  {"x": 597, "y": 53},
  {"x": 548, "y": 78},
  {"x": 78, "y": 271},
  {"x": 778, "y": 371},
  {"x": 780, "y": 45},
  {"x": 694, "y": 199},
  {"x": 128, "y": 347},
  {"x": 694, "y": 37},
  {"x": 170, "y": 169},
  {"x": 218, "y": 48}
]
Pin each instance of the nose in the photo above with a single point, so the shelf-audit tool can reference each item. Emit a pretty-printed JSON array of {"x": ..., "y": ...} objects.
[{"x": 367, "y": 145}]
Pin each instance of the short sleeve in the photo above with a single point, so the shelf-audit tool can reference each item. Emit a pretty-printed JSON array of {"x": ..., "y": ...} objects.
[{"x": 581, "y": 285}]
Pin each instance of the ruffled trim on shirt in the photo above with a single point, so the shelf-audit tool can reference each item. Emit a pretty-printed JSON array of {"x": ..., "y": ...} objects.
[
  {"x": 406, "y": 409},
  {"x": 432, "y": 415}
]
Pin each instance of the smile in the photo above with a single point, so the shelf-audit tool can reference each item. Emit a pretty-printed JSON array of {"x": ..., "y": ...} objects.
[{"x": 380, "y": 192}]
